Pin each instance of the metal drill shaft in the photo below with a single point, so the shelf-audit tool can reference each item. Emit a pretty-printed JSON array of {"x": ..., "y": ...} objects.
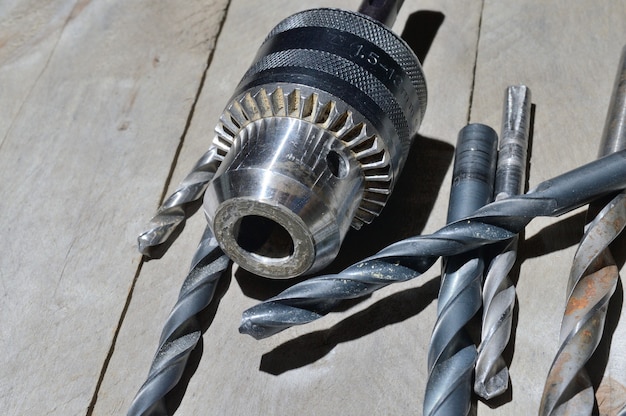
[
  {"x": 181, "y": 332},
  {"x": 172, "y": 212},
  {"x": 385, "y": 11},
  {"x": 491, "y": 372},
  {"x": 409, "y": 258},
  {"x": 592, "y": 282},
  {"x": 452, "y": 353}
]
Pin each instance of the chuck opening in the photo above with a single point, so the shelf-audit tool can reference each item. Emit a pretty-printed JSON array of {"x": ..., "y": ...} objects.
[{"x": 263, "y": 237}]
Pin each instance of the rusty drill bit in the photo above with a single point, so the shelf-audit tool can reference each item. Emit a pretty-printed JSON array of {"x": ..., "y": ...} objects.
[
  {"x": 452, "y": 353},
  {"x": 172, "y": 212},
  {"x": 592, "y": 282},
  {"x": 181, "y": 332},
  {"x": 409, "y": 258},
  {"x": 491, "y": 372}
]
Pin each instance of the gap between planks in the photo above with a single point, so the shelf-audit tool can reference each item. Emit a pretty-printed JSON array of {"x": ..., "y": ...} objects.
[{"x": 168, "y": 180}]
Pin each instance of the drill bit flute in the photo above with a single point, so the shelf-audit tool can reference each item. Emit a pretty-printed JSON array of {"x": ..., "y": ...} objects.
[
  {"x": 172, "y": 212},
  {"x": 592, "y": 282},
  {"x": 409, "y": 258},
  {"x": 452, "y": 353},
  {"x": 491, "y": 372},
  {"x": 181, "y": 333}
]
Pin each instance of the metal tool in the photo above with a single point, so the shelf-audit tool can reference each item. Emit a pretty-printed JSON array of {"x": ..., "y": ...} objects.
[
  {"x": 491, "y": 372},
  {"x": 592, "y": 281},
  {"x": 181, "y": 332},
  {"x": 409, "y": 258},
  {"x": 311, "y": 143},
  {"x": 452, "y": 353},
  {"x": 172, "y": 212}
]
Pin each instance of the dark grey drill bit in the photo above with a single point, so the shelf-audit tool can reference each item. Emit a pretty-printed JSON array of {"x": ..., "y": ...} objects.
[
  {"x": 172, "y": 212},
  {"x": 452, "y": 353},
  {"x": 409, "y": 258},
  {"x": 491, "y": 372},
  {"x": 181, "y": 332},
  {"x": 592, "y": 281}
]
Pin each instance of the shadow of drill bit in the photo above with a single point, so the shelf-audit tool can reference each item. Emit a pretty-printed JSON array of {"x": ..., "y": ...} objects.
[
  {"x": 420, "y": 30},
  {"x": 311, "y": 347}
]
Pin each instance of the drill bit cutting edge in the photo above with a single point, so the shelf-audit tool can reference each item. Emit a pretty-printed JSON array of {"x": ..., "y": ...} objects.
[{"x": 311, "y": 143}]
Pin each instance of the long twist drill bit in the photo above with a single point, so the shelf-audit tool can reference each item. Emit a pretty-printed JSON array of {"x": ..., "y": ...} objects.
[
  {"x": 592, "y": 281},
  {"x": 409, "y": 258},
  {"x": 452, "y": 353},
  {"x": 172, "y": 212},
  {"x": 491, "y": 372},
  {"x": 181, "y": 333}
]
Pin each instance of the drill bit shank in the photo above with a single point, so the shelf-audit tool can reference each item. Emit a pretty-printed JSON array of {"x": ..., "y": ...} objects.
[
  {"x": 452, "y": 354},
  {"x": 491, "y": 373}
]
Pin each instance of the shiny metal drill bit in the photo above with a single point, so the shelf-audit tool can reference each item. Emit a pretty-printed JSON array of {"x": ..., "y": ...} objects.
[
  {"x": 172, "y": 212},
  {"x": 491, "y": 372},
  {"x": 181, "y": 332},
  {"x": 592, "y": 281},
  {"x": 452, "y": 353},
  {"x": 409, "y": 258}
]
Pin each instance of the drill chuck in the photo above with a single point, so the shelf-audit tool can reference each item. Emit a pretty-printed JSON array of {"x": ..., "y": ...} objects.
[{"x": 313, "y": 140}]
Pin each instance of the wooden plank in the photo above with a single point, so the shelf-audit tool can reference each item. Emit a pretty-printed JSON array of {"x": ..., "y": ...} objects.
[
  {"x": 567, "y": 53},
  {"x": 369, "y": 360},
  {"x": 94, "y": 98}
]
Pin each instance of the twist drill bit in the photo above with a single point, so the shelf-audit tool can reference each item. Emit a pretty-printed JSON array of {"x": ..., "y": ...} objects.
[
  {"x": 491, "y": 372},
  {"x": 181, "y": 333},
  {"x": 409, "y": 258},
  {"x": 311, "y": 143},
  {"x": 172, "y": 212},
  {"x": 592, "y": 281},
  {"x": 452, "y": 353}
]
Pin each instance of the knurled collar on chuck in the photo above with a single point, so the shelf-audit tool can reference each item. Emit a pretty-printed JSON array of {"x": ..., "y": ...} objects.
[{"x": 324, "y": 118}]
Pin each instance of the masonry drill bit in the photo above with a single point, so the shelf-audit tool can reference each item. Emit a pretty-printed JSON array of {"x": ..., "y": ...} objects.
[
  {"x": 491, "y": 372},
  {"x": 181, "y": 333},
  {"x": 592, "y": 281},
  {"x": 409, "y": 258},
  {"x": 452, "y": 353},
  {"x": 172, "y": 212}
]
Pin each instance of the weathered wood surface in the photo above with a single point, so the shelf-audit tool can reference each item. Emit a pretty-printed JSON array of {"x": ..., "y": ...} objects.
[{"x": 95, "y": 98}]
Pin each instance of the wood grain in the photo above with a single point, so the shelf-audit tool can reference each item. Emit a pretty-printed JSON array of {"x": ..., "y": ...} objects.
[
  {"x": 103, "y": 105},
  {"x": 95, "y": 98}
]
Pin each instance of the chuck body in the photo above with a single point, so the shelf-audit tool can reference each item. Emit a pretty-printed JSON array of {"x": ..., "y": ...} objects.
[{"x": 313, "y": 140}]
